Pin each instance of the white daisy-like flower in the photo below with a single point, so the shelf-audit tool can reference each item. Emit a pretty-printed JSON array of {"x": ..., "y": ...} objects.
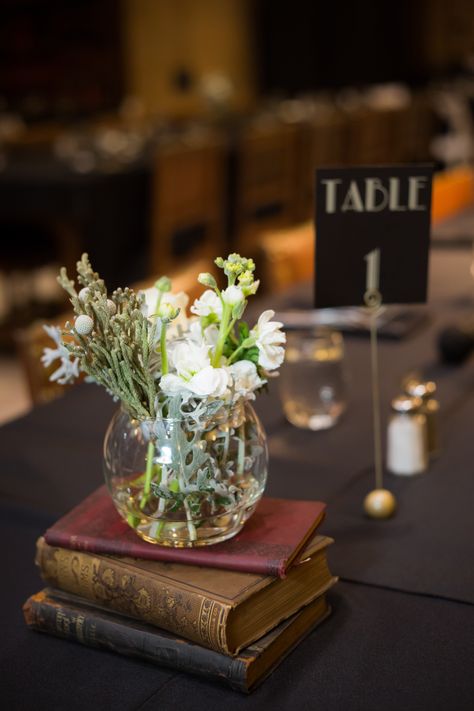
[
  {"x": 269, "y": 339},
  {"x": 208, "y": 304}
]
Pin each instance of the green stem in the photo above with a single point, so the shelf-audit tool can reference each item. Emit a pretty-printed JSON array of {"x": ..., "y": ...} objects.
[
  {"x": 222, "y": 336},
  {"x": 189, "y": 522},
  {"x": 158, "y": 303},
  {"x": 164, "y": 352},
  {"x": 231, "y": 326},
  {"x": 132, "y": 520},
  {"x": 248, "y": 343},
  {"x": 148, "y": 474}
]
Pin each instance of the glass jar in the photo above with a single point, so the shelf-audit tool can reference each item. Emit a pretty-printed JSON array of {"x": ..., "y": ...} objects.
[{"x": 184, "y": 484}]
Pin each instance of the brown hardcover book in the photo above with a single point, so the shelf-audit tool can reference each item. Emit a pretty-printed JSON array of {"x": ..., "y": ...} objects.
[
  {"x": 220, "y": 609},
  {"x": 269, "y": 543},
  {"x": 69, "y": 617}
]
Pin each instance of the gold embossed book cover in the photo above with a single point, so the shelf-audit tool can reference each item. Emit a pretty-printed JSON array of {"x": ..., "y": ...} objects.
[{"x": 220, "y": 609}]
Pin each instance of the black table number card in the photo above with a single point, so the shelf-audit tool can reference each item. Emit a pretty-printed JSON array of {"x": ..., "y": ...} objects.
[{"x": 362, "y": 209}]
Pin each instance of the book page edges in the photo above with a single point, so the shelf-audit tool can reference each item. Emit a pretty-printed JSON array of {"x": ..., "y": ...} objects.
[
  {"x": 236, "y": 649},
  {"x": 301, "y": 547}
]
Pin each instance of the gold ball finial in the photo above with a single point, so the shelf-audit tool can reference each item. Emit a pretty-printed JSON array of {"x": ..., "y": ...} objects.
[{"x": 380, "y": 503}]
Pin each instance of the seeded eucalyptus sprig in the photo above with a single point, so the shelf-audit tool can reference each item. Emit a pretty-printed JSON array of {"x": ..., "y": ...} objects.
[{"x": 113, "y": 340}]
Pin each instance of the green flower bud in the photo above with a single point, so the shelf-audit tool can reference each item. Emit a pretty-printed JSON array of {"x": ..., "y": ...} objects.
[
  {"x": 163, "y": 284},
  {"x": 167, "y": 312},
  {"x": 238, "y": 309},
  {"x": 246, "y": 278},
  {"x": 251, "y": 288},
  {"x": 207, "y": 280},
  {"x": 237, "y": 266}
]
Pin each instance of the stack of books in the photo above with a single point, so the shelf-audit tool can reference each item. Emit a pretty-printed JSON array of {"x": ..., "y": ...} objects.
[{"x": 229, "y": 612}]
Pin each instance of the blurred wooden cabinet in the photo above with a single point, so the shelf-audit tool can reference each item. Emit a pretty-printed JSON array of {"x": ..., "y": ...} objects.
[
  {"x": 188, "y": 200},
  {"x": 322, "y": 143},
  {"x": 287, "y": 256},
  {"x": 265, "y": 180}
]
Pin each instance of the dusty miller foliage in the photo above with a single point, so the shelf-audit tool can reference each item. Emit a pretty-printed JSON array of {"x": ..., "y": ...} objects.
[{"x": 197, "y": 471}]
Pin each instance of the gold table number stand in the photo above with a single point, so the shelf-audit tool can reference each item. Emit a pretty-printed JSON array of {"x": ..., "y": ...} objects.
[{"x": 379, "y": 503}]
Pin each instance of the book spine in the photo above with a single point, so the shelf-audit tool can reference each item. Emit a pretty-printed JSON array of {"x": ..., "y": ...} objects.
[
  {"x": 94, "y": 628},
  {"x": 121, "y": 587}
]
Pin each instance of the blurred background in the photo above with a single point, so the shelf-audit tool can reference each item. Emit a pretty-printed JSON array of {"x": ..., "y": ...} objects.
[{"x": 155, "y": 134}]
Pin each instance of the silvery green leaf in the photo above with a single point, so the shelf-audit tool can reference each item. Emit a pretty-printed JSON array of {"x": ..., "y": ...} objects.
[{"x": 213, "y": 407}]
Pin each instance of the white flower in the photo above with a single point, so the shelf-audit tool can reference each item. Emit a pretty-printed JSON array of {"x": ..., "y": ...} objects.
[
  {"x": 167, "y": 312},
  {"x": 210, "y": 382},
  {"x": 245, "y": 379},
  {"x": 179, "y": 324},
  {"x": 178, "y": 301},
  {"x": 194, "y": 371},
  {"x": 172, "y": 384},
  {"x": 268, "y": 339},
  {"x": 149, "y": 305},
  {"x": 207, "y": 305},
  {"x": 187, "y": 358},
  {"x": 233, "y": 295},
  {"x": 208, "y": 336}
]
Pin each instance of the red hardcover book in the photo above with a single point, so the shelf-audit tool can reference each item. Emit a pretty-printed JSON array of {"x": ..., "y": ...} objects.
[{"x": 272, "y": 539}]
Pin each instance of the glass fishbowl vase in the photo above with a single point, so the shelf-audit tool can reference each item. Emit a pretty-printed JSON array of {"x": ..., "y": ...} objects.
[{"x": 184, "y": 484}]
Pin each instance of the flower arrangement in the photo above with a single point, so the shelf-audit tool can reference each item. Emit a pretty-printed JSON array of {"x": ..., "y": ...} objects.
[{"x": 184, "y": 382}]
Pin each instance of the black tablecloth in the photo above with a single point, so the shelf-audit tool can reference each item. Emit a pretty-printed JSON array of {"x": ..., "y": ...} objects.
[{"x": 401, "y": 635}]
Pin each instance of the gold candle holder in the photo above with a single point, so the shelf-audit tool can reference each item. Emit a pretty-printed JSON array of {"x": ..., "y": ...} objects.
[{"x": 379, "y": 503}]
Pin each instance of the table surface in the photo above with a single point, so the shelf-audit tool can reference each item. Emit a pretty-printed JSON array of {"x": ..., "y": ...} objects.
[{"x": 401, "y": 634}]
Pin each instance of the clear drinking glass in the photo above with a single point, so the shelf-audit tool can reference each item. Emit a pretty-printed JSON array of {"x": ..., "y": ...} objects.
[{"x": 312, "y": 381}]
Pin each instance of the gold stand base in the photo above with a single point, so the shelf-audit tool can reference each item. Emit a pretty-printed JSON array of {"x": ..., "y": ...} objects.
[{"x": 380, "y": 503}]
